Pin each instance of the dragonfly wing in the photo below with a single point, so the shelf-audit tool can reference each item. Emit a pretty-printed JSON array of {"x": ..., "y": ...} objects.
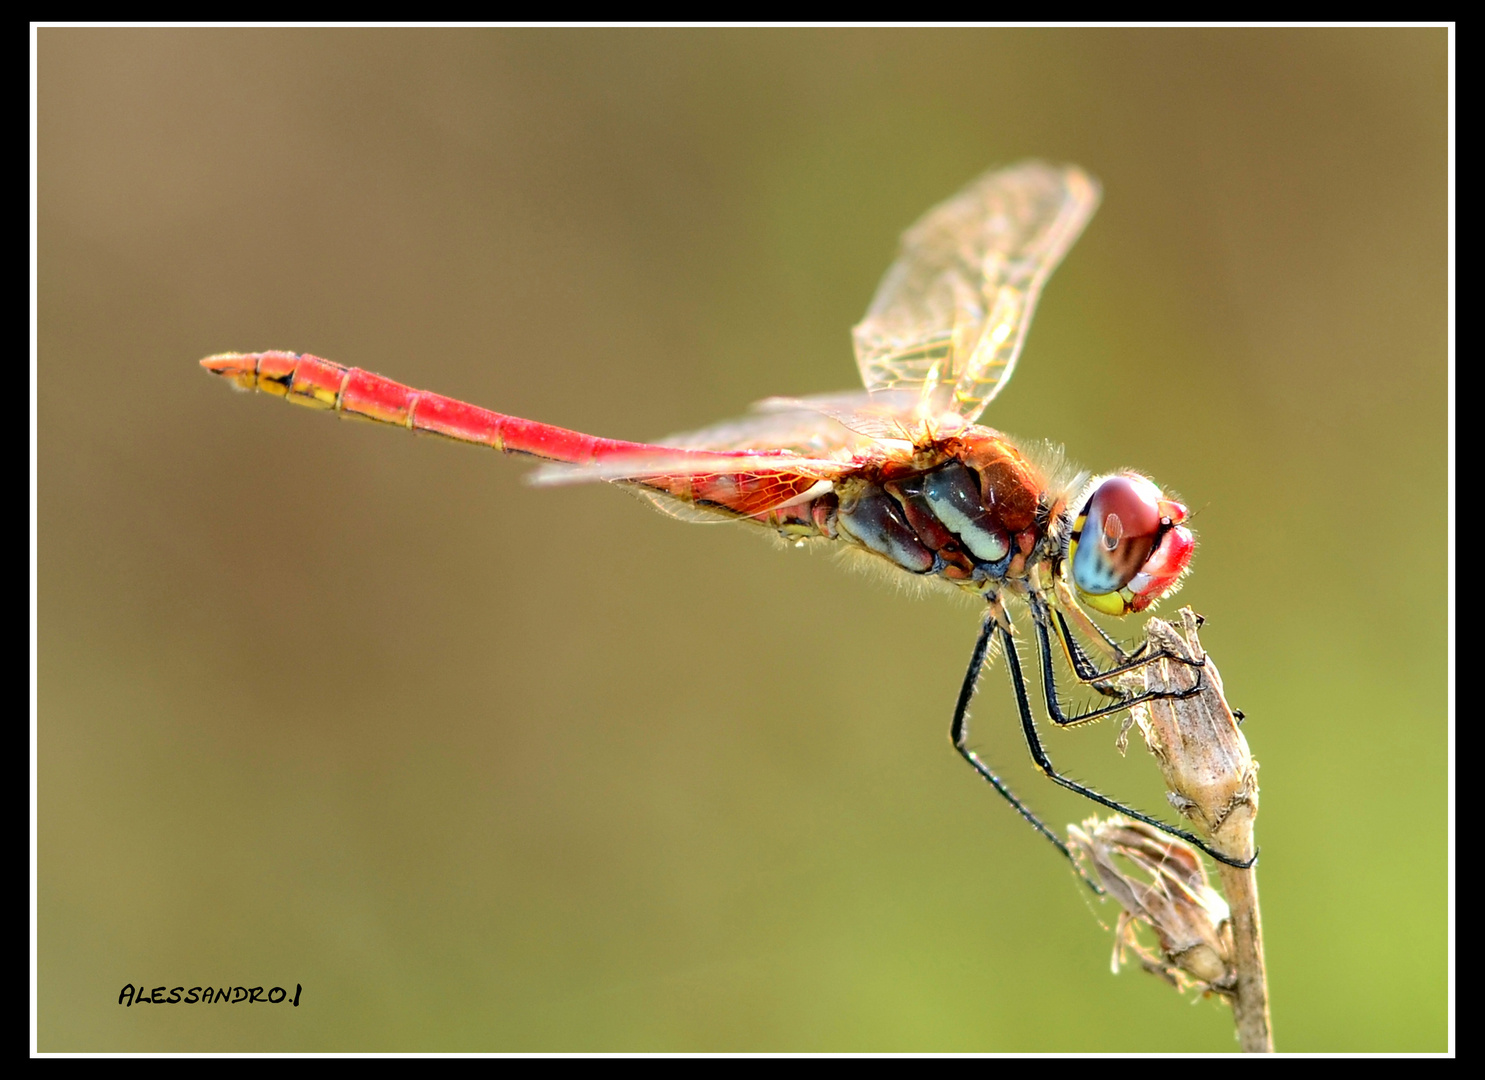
[
  {"x": 734, "y": 485},
  {"x": 743, "y": 467},
  {"x": 679, "y": 463},
  {"x": 795, "y": 425},
  {"x": 679, "y": 509},
  {"x": 850, "y": 425},
  {"x": 900, "y": 415},
  {"x": 951, "y": 313}
]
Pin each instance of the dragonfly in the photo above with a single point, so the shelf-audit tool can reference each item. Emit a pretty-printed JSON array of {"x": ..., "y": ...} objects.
[{"x": 898, "y": 474}]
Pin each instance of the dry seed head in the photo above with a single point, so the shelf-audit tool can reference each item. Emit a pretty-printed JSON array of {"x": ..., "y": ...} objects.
[
  {"x": 1210, "y": 776},
  {"x": 1160, "y": 882}
]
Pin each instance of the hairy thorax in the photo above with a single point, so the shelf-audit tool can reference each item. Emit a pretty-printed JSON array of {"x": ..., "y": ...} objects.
[{"x": 969, "y": 509}]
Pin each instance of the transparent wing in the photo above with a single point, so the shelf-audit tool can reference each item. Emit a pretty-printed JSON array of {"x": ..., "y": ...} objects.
[
  {"x": 729, "y": 484},
  {"x": 949, "y": 318},
  {"x": 782, "y": 454},
  {"x": 785, "y": 424},
  {"x": 650, "y": 465},
  {"x": 883, "y": 416},
  {"x": 770, "y": 439}
]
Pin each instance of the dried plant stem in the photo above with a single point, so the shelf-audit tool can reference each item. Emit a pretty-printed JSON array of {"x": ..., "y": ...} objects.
[
  {"x": 1213, "y": 780},
  {"x": 1250, "y": 995}
]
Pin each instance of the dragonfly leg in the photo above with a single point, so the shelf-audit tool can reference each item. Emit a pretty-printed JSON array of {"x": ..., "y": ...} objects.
[
  {"x": 1044, "y": 763},
  {"x": 1087, "y": 674},
  {"x": 1077, "y": 658},
  {"x": 959, "y": 736},
  {"x": 1066, "y": 607},
  {"x": 1111, "y": 650}
]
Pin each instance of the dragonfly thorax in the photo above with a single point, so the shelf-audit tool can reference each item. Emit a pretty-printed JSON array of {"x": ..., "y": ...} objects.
[{"x": 973, "y": 516}]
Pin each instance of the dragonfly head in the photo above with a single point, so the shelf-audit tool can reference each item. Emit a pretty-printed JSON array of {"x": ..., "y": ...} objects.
[{"x": 1128, "y": 546}]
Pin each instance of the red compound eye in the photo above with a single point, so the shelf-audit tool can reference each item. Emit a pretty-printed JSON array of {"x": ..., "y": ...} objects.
[
  {"x": 1123, "y": 523},
  {"x": 1136, "y": 504}
]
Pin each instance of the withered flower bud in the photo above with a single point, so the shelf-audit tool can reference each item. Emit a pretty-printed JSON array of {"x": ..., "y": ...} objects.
[
  {"x": 1210, "y": 776},
  {"x": 1160, "y": 882}
]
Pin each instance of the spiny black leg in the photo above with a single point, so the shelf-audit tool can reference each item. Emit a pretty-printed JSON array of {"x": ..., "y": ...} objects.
[
  {"x": 1044, "y": 763},
  {"x": 1120, "y": 656},
  {"x": 1124, "y": 701},
  {"x": 1083, "y": 665},
  {"x": 1084, "y": 668},
  {"x": 959, "y": 734}
]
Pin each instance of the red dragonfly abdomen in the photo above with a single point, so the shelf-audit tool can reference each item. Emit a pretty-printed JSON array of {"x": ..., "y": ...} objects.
[{"x": 320, "y": 384}]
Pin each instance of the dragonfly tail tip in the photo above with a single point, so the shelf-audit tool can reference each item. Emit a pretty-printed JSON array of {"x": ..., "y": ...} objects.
[{"x": 240, "y": 369}]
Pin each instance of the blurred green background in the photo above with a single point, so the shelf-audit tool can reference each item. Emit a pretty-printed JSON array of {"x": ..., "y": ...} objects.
[{"x": 493, "y": 768}]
